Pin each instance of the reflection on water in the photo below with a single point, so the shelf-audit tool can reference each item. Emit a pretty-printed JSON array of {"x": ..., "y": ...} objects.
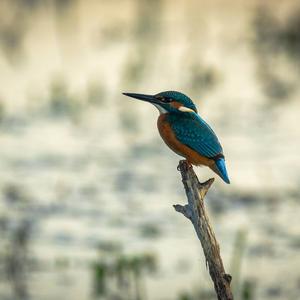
[{"x": 87, "y": 186}]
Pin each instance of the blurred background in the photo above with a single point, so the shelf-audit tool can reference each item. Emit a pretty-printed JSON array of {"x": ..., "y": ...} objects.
[{"x": 87, "y": 185}]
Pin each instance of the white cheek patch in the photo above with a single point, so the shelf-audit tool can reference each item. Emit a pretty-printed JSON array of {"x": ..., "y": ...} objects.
[
  {"x": 185, "y": 109},
  {"x": 161, "y": 109}
]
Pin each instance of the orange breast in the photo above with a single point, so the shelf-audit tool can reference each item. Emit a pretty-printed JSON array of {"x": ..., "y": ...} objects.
[{"x": 170, "y": 139}]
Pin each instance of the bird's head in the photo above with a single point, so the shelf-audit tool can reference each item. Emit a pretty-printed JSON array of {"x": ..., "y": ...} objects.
[{"x": 168, "y": 102}]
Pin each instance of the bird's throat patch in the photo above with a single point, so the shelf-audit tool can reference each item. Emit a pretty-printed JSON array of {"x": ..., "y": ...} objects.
[{"x": 161, "y": 109}]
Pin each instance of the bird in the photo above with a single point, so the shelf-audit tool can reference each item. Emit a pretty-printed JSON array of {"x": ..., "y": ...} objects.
[{"x": 185, "y": 132}]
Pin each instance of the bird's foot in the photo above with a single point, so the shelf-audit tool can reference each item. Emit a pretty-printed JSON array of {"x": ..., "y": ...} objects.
[
  {"x": 190, "y": 166},
  {"x": 187, "y": 165}
]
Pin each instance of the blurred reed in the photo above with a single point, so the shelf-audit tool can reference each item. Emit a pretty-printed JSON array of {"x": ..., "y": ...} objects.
[
  {"x": 145, "y": 34},
  {"x": 16, "y": 230},
  {"x": 239, "y": 247},
  {"x": 277, "y": 40},
  {"x": 120, "y": 276}
]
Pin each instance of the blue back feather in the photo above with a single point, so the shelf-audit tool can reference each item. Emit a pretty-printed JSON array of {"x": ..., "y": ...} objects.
[{"x": 191, "y": 130}]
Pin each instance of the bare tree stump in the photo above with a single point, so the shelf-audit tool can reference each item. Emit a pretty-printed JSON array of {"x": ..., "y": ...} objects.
[{"x": 195, "y": 212}]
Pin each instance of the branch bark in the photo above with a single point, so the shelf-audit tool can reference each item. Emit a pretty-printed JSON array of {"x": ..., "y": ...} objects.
[{"x": 195, "y": 212}]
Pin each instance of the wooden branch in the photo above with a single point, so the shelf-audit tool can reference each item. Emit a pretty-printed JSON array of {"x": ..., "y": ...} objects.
[{"x": 195, "y": 212}]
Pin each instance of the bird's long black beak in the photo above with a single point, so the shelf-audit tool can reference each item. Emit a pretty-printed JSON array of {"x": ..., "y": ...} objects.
[{"x": 143, "y": 97}]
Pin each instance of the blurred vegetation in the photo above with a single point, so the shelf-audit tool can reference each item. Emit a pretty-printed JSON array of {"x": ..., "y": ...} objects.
[
  {"x": 277, "y": 40},
  {"x": 274, "y": 35},
  {"x": 14, "y": 18},
  {"x": 150, "y": 230},
  {"x": 201, "y": 78},
  {"x": 145, "y": 35},
  {"x": 120, "y": 276},
  {"x": 16, "y": 230},
  {"x": 2, "y": 112},
  {"x": 236, "y": 265},
  {"x": 62, "y": 103}
]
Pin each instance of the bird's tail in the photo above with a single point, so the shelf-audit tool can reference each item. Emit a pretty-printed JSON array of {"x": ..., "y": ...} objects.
[{"x": 220, "y": 168}]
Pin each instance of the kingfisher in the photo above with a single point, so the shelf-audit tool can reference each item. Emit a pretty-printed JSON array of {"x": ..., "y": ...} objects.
[{"x": 185, "y": 131}]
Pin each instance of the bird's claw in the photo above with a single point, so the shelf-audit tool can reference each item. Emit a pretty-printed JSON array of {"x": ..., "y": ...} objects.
[{"x": 187, "y": 165}]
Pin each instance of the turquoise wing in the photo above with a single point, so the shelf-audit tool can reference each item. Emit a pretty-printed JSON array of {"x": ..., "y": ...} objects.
[{"x": 194, "y": 132}]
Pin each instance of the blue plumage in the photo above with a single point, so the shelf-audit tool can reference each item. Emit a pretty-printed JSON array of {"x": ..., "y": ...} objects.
[
  {"x": 220, "y": 164},
  {"x": 191, "y": 130},
  {"x": 180, "y": 97},
  {"x": 185, "y": 132}
]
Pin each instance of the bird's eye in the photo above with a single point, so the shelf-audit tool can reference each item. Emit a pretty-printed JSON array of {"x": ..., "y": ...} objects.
[
  {"x": 164, "y": 99},
  {"x": 160, "y": 98}
]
